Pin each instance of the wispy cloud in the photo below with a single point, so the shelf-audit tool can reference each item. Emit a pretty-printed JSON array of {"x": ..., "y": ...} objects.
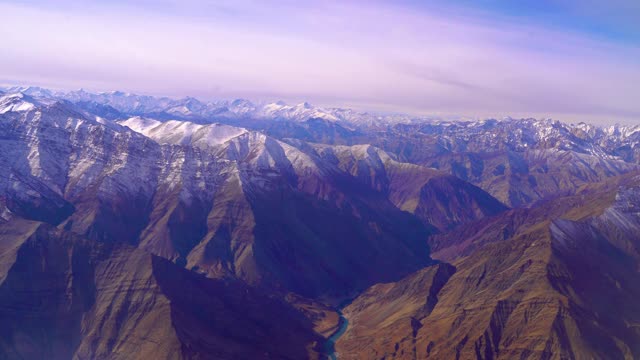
[{"x": 427, "y": 59}]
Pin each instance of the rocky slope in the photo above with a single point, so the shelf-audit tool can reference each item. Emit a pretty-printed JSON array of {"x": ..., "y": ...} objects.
[
  {"x": 518, "y": 161},
  {"x": 393, "y": 309},
  {"x": 142, "y": 227},
  {"x": 222, "y": 200},
  {"x": 311, "y": 194},
  {"x": 433, "y": 196},
  {"x": 556, "y": 282},
  {"x": 62, "y": 297}
]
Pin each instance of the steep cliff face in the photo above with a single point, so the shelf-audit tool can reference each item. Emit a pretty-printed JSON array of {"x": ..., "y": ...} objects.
[
  {"x": 62, "y": 297},
  {"x": 224, "y": 201},
  {"x": 278, "y": 215},
  {"x": 560, "y": 286},
  {"x": 150, "y": 237}
]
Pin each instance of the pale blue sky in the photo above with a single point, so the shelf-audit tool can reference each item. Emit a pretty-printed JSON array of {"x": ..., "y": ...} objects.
[{"x": 567, "y": 59}]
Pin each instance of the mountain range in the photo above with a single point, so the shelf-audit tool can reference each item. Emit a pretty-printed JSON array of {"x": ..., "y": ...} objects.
[{"x": 151, "y": 227}]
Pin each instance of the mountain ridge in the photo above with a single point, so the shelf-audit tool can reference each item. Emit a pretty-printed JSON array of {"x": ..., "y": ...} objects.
[
  {"x": 188, "y": 107},
  {"x": 454, "y": 239}
]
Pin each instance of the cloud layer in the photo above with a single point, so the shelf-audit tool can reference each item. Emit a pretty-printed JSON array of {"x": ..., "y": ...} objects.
[{"x": 420, "y": 59}]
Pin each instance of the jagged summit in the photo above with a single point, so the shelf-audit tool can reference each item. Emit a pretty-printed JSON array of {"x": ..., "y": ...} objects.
[
  {"x": 16, "y": 102},
  {"x": 236, "y": 228},
  {"x": 190, "y": 107},
  {"x": 620, "y": 141}
]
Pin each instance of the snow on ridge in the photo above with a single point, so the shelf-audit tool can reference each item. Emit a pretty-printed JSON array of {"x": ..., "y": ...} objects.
[
  {"x": 183, "y": 132},
  {"x": 140, "y": 124},
  {"x": 16, "y": 102},
  {"x": 189, "y": 107}
]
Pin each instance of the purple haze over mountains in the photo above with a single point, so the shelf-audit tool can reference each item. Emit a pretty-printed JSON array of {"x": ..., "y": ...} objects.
[{"x": 568, "y": 60}]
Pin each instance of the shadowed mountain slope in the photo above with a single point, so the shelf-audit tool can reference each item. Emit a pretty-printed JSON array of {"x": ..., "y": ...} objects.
[
  {"x": 223, "y": 201},
  {"x": 64, "y": 297}
]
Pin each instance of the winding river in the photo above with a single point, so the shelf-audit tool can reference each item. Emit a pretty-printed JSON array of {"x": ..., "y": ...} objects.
[{"x": 330, "y": 345}]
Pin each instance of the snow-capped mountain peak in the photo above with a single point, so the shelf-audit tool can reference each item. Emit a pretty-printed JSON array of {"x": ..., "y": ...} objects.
[
  {"x": 183, "y": 132},
  {"x": 16, "y": 102}
]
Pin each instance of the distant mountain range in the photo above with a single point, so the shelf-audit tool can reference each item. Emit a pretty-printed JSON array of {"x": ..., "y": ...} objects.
[{"x": 143, "y": 227}]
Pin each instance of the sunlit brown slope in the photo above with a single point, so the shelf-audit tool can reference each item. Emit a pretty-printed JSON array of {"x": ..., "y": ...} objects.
[{"x": 563, "y": 286}]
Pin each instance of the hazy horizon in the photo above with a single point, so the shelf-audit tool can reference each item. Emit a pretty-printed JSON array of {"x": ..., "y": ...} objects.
[
  {"x": 598, "y": 121},
  {"x": 571, "y": 60}
]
